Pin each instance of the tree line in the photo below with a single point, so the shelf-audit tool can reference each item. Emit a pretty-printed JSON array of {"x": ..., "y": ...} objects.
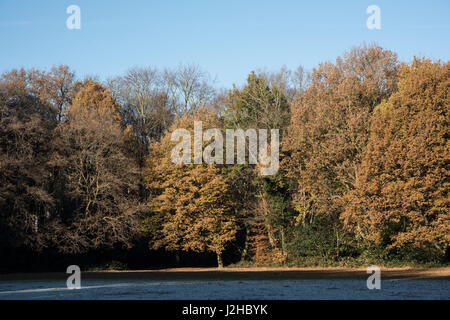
[{"x": 85, "y": 165}]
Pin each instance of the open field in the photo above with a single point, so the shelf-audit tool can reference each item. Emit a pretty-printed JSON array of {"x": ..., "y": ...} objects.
[{"x": 246, "y": 274}]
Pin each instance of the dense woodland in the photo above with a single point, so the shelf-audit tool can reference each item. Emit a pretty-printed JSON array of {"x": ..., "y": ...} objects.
[{"x": 86, "y": 175}]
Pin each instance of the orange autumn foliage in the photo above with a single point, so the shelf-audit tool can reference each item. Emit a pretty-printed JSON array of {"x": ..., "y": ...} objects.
[
  {"x": 401, "y": 195},
  {"x": 190, "y": 203},
  {"x": 330, "y": 127},
  {"x": 94, "y": 98}
]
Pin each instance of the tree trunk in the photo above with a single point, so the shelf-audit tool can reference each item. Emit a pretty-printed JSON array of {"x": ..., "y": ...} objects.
[
  {"x": 283, "y": 242},
  {"x": 337, "y": 243},
  {"x": 245, "y": 250},
  {"x": 271, "y": 237},
  {"x": 219, "y": 260}
]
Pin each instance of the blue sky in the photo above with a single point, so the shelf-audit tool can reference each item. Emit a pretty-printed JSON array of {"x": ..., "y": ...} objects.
[{"x": 227, "y": 38}]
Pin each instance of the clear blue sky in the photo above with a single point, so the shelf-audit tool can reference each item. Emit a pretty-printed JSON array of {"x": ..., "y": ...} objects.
[{"x": 227, "y": 38}]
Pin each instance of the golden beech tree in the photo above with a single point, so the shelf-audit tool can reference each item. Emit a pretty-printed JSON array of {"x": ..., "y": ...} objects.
[
  {"x": 94, "y": 97},
  {"x": 190, "y": 203},
  {"x": 330, "y": 127},
  {"x": 401, "y": 197}
]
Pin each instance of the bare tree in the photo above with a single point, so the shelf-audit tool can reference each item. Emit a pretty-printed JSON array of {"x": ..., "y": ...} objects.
[
  {"x": 138, "y": 88},
  {"x": 291, "y": 82},
  {"x": 145, "y": 110},
  {"x": 188, "y": 87}
]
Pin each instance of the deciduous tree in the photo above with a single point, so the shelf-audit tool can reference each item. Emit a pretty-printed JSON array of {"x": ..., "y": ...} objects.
[
  {"x": 330, "y": 127},
  {"x": 190, "y": 202},
  {"x": 26, "y": 132},
  {"x": 99, "y": 195},
  {"x": 401, "y": 197}
]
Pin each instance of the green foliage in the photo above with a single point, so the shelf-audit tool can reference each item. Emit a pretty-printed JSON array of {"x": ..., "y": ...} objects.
[
  {"x": 257, "y": 105},
  {"x": 324, "y": 239}
]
